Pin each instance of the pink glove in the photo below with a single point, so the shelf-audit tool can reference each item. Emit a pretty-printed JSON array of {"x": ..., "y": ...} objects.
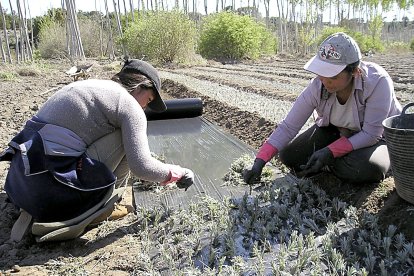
[
  {"x": 176, "y": 172},
  {"x": 341, "y": 147},
  {"x": 183, "y": 177},
  {"x": 266, "y": 152}
]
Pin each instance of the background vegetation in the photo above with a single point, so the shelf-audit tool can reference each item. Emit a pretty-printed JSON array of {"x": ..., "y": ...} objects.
[
  {"x": 161, "y": 36},
  {"x": 227, "y": 35},
  {"x": 182, "y": 35}
]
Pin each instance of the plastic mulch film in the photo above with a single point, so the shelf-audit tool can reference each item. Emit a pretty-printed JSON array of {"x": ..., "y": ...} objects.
[{"x": 201, "y": 146}]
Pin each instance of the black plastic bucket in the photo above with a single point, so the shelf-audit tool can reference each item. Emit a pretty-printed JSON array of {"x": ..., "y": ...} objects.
[{"x": 399, "y": 134}]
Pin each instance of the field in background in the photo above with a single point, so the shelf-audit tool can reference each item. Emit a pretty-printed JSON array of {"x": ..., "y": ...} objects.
[{"x": 246, "y": 100}]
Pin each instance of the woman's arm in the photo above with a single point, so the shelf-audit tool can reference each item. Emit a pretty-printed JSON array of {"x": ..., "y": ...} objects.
[{"x": 377, "y": 109}]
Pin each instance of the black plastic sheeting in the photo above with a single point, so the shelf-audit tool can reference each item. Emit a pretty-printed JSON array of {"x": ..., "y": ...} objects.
[
  {"x": 177, "y": 109},
  {"x": 203, "y": 147}
]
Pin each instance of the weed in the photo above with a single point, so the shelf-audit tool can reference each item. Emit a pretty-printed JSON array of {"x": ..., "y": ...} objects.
[{"x": 8, "y": 76}]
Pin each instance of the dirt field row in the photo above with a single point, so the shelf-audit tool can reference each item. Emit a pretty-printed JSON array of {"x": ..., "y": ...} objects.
[{"x": 24, "y": 89}]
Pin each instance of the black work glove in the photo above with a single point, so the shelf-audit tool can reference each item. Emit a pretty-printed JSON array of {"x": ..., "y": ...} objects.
[
  {"x": 252, "y": 173},
  {"x": 317, "y": 161},
  {"x": 186, "y": 180}
]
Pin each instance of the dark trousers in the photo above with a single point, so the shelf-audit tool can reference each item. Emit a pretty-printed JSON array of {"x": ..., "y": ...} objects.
[{"x": 366, "y": 165}]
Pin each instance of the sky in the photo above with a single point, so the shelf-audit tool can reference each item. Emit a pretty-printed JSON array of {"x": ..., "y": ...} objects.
[{"x": 39, "y": 7}]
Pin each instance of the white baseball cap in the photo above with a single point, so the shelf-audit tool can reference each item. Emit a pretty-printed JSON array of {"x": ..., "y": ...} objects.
[{"x": 335, "y": 53}]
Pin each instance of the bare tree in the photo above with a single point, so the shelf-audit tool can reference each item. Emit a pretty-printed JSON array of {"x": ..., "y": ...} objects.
[
  {"x": 6, "y": 37},
  {"x": 131, "y": 6},
  {"x": 62, "y": 3},
  {"x": 126, "y": 13},
  {"x": 110, "y": 46},
  {"x": 205, "y": 7},
  {"x": 143, "y": 5},
  {"x": 31, "y": 24},
  {"x": 26, "y": 50},
  {"x": 267, "y": 4},
  {"x": 281, "y": 29},
  {"x": 185, "y": 6},
  {"x": 118, "y": 21},
  {"x": 76, "y": 48},
  {"x": 3, "y": 55},
  {"x": 97, "y": 16},
  {"x": 16, "y": 38}
]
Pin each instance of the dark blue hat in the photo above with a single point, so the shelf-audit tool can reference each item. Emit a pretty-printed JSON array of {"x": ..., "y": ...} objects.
[{"x": 146, "y": 69}]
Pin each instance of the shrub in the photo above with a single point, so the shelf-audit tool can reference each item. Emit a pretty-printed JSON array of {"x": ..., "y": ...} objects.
[
  {"x": 230, "y": 36},
  {"x": 365, "y": 42},
  {"x": 92, "y": 34},
  {"x": 412, "y": 45},
  {"x": 161, "y": 37},
  {"x": 36, "y": 54},
  {"x": 52, "y": 39},
  {"x": 268, "y": 44},
  {"x": 375, "y": 26},
  {"x": 397, "y": 47},
  {"x": 327, "y": 32}
]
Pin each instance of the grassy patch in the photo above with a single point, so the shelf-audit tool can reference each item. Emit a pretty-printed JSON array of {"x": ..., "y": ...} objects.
[{"x": 8, "y": 76}]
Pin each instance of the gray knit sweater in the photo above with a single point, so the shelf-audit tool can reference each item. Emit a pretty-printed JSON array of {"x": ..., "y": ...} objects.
[{"x": 95, "y": 108}]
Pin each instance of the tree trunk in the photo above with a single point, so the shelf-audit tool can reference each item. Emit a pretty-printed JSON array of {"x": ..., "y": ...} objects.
[
  {"x": 76, "y": 40},
  {"x": 281, "y": 36},
  {"x": 126, "y": 14},
  {"x": 31, "y": 28},
  {"x": 118, "y": 21},
  {"x": 101, "y": 32},
  {"x": 67, "y": 28},
  {"x": 194, "y": 7},
  {"x": 110, "y": 41},
  {"x": 185, "y": 6},
  {"x": 131, "y": 6},
  {"x": 266, "y": 3},
  {"x": 24, "y": 35},
  {"x": 205, "y": 7},
  {"x": 3, "y": 55},
  {"x": 6, "y": 37},
  {"x": 16, "y": 38}
]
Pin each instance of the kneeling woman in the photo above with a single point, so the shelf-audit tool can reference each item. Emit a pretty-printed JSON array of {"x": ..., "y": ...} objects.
[
  {"x": 85, "y": 141},
  {"x": 349, "y": 99}
]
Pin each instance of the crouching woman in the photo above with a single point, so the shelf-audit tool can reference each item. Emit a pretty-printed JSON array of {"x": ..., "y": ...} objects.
[
  {"x": 349, "y": 99},
  {"x": 74, "y": 157}
]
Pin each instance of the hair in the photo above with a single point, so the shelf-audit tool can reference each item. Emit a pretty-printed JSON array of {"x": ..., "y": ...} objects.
[
  {"x": 130, "y": 80},
  {"x": 350, "y": 68}
]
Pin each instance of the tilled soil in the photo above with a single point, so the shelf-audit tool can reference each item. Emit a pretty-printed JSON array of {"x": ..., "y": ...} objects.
[{"x": 27, "y": 87}]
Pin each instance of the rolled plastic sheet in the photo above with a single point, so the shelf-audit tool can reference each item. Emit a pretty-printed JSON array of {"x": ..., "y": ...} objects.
[{"x": 178, "y": 109}]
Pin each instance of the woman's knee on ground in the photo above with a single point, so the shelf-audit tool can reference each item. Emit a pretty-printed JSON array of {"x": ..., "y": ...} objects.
[
  {"x": 359, "y": 173},
  {"x": 292, "y": 159}
]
